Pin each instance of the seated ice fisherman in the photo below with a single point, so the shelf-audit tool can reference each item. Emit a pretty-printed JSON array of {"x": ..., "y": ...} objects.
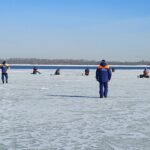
[
  {"x": 35, "y": 70},
  {"x": 57, "y": 72},
  {"x": 145, "y": 73},
  {"x": 87, "y": 71}
]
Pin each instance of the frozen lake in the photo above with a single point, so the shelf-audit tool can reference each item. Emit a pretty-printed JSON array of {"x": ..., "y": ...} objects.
[{"x": 46, "y": 112}]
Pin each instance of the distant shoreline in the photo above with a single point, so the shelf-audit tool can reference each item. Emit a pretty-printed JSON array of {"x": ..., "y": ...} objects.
[
  {"x": 35, "y": 61},
  {"x": 80, "y": 67}
]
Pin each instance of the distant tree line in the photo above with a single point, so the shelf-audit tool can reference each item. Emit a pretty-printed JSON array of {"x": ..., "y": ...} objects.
[{"x": 67, "y": 61}]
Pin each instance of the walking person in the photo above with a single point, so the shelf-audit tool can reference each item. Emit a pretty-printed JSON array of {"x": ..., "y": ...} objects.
[
  {"x": 4, "y": 67},
  {"x": 103, "y": 76}
]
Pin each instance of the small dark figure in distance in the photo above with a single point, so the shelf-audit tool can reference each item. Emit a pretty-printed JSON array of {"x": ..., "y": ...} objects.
[
  {"x": 57, "y": 72},
  {"x": 103, "y": 76},
  {"x": 4, "y": 67},
  {"x": 87, "y": 71},
  {"x": 35, "y": 70},
  {"x": 145, "y": 73},
  {"x": 113, "y": 69}
]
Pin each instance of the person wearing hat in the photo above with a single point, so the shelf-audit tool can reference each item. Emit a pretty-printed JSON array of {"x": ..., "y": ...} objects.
[
  {"x": 103, "y": 76},
  {"x": 4, "y": 67},
  {"x": 35, "y": 71},
  {"x": 57, "y": 72},
  {"x": 146, "y": 73},
  {"x": 87, "y": 71}
]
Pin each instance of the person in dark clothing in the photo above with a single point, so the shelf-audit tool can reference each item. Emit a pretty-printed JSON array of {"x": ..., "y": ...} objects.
[
  {"x": 145, "y": 73},
  {"x": 113, "y": 69},
  {"x": 87, "y": 71},
  {"x": 103, "y": 76},
  {"x": 35, "y": 70},
  {"x": 57, "y": 72},
  {"x": 4, "y": 67}
]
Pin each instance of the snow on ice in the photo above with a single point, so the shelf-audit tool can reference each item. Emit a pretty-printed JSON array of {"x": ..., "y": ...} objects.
[{"x": 47, "y": 112}]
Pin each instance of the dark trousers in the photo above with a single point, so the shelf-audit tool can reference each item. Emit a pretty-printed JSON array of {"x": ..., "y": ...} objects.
[
  {"x": 103, "y": 89},
  {"x": 144, "y": 76},
  {"x": 4, "y": 77}
]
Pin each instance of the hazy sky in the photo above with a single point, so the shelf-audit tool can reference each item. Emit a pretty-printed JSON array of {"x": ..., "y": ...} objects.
[{"x": 75, "y": 29}]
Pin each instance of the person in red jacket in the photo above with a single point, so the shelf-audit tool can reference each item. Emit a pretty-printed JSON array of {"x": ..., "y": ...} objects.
[{"x": 103, "y": 76}]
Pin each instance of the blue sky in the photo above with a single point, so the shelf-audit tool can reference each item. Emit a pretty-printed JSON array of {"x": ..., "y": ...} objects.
[{"x": 75, "y": 29}]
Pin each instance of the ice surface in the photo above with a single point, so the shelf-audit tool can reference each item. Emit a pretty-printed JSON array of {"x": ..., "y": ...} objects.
[{"x": 47, "y": 112}]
